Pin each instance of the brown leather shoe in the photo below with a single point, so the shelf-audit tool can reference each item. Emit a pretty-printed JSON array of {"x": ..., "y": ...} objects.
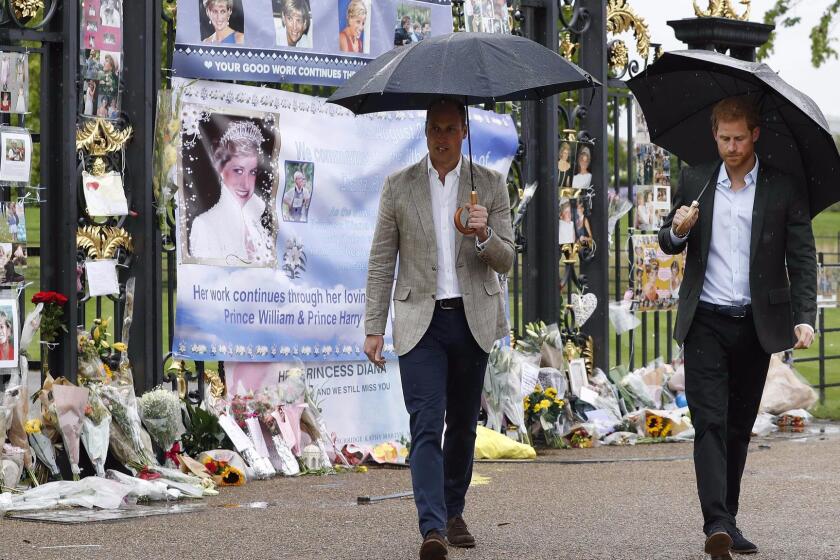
[
  {"x": 718, "y": 544},
  {"x": 433, "y": 547},
  {"x": 457, "y": 533}
]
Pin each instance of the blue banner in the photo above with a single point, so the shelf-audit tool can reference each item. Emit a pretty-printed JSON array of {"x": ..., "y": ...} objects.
[
  {"x": 274, "y": 239},
  {"x": 316, "y": 42}
]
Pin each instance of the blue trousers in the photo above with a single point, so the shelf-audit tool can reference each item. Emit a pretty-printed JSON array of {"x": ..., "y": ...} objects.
[{"x": 442, "y": 378}]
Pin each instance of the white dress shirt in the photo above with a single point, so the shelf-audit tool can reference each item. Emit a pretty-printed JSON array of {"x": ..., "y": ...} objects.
[
  {"x": 444, "y": 204},
  {"x": 727, "y": 280}
]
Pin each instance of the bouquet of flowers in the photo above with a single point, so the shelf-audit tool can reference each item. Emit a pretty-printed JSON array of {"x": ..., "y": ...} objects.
[
  {"x": 580, "y": 436},
  {"x": 129, "y": 441},
  {"x": 70, "y": 402},
  {"x": 284, "y": 460},
  {"x": 237, "y": 427},
  {"x": 52, "y": 319},
  {"x": 160, "y": 411},
  {"x": 657, "y": 426},
  {"x": 96, "y": 430},
  {"x": 223, "y": 473},
  {"x": 203, "y": 432},
  {"x": 42, "y": 447},
  {"x": 91, "y": 367},
  {"x": 313, "y": 422},
  {"x": 543, "y": 411}
]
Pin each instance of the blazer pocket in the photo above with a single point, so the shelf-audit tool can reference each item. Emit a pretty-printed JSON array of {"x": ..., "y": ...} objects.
[
  {"x": 781, "y": 295},
  {"x": 492, "y": 287},
  {"x": 401, "y": 293}
]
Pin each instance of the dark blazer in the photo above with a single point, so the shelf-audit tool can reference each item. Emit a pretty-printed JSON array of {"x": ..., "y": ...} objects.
[{"x": 783, "y": 263}]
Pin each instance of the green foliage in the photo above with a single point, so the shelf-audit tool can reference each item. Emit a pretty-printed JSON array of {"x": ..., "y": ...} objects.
[
  {"x": 781, "y": 15},
  {"x": 203, "y": 433}
]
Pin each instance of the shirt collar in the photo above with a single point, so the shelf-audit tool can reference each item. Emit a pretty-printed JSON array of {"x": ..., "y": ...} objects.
[
  {"x": 750, "y": 179},
  {"x": 457, "y": 171}
]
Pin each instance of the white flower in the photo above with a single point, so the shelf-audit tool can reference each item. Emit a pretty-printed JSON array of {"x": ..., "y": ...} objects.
[
  {"x": 347, "y": 349},
  {"x": 327, "y": 350},
  {"x": 223, "y": 349},
  {"x": 262, "y": 350},
  {"x": 202, "y": 348},
  {"x": 285, "y": 350},
  {"x": 306, "y": 350},
  {"x": 273, "y": 350},
  {"x": 240, "y": 349},
  {"x": 213, "y": 349},
  {"x": 182, "y": 348}
]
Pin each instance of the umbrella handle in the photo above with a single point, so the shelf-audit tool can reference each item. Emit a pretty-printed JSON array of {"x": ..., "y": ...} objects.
[
  {"x": 459, "y": 225},
  {"x": 683, "y": 229}
]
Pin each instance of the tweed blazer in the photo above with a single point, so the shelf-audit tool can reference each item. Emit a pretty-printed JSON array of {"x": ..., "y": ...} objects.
[{"x": 405, "y": 235}]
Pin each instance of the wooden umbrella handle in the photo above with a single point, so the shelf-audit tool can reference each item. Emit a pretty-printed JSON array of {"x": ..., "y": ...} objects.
[
  {"x": 683, "y": 229},
  {"x": 458, "y": 224}
]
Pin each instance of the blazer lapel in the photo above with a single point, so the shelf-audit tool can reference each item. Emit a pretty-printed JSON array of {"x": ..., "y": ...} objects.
[
  {"x": 464, "y": 188},
  {"x": 707, "y": 212},
  {"x": 762, "y": 194},
  {"x": 422, "y": 198}
]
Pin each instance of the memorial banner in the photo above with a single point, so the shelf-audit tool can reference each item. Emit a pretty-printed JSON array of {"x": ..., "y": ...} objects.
[
  {"x": 297, "y": 41},
  {"x": 278, "y": 199}
]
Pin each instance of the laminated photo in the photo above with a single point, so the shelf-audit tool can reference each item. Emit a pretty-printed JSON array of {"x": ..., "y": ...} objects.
[
  {"x": 14, "y": 82},
  {"x": 8, "y": 333},
  {"x": 16, "y": 161}
]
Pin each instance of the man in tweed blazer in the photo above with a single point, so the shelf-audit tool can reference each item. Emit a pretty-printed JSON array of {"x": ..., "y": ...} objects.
[{"x": 448, "y": 312}]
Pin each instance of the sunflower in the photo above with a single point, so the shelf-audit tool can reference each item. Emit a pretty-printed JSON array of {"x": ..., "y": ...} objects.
[
  {"x": 231, "y": 476},
  {"x": 545, "y": 403},
  {"x": 666, "y": 430},
  {"x": 653, "y": 425},
  {"x": 527, "y": 403},
  {"x": 551, "y": 392}
]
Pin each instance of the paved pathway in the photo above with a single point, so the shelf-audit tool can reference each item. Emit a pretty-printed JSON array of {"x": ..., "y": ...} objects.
[{"x": 616, "y": 509}]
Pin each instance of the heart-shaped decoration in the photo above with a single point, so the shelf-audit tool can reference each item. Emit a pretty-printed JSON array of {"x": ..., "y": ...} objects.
[
  {"x": 584, "y": 306},
  {"x": 208, "y": 64},
  {"x": 93, "y": 185}
]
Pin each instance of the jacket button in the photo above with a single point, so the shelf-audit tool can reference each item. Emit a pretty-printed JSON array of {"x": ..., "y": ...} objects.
[{"x": 434, "y": 267}]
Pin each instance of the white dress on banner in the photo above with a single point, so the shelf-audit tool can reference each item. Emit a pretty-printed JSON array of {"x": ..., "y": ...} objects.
[{"x": 232, "y": 233}]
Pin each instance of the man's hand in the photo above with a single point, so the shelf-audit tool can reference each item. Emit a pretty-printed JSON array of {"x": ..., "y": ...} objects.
[
  {"x": 478, "y": 221},
  {"x": 682, "y": 215},
  {"x": 804, "y": 337},
  {"x": 373, "y": 349}
]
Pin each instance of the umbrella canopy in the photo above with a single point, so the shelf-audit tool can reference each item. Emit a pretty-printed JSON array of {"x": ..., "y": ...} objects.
[
  {"x": 474, "y": 67},
  {"x": 677, "y": 94}
]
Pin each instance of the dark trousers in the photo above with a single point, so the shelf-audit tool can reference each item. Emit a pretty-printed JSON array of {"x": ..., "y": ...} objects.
[
  {"x": 725, "y": 370},
  {"x": 442, "y": 378}
]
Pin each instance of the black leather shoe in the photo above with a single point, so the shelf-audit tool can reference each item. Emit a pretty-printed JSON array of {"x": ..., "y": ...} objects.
[
  {"x": 457, "y": 533},
  {"x": 433, "y": 547},
  {"x": 740, "y": 545},
  {"x": 718, "y": 544}
]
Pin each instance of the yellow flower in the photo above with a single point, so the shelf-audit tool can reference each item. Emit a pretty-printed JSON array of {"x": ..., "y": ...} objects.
[
  {"x": 561, "y": 402},
  {"x": 108, "y": 373},
  {"x": 537, "y": 407},
  {"x": 120, "y": 346},
  {"x": 545, "y": 403},
  {"x": 527, "y": 403},
  {"x": 653, "y": 425},
  {"x": 32, "y": 426},
  {"x": 551, "y": 392}
]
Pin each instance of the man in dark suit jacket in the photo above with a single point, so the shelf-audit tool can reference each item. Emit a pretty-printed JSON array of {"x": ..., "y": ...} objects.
[{"x": 749, "y": 291}]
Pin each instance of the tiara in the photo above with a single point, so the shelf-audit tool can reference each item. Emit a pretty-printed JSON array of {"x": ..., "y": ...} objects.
[{"x": 243, "y": 130}]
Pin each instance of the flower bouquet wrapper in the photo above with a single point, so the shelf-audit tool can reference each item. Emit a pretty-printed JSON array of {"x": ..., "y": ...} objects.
[
  {"x": 96, "y": 431},
  {"x": 43, "y": 448},
  {"x": 140, "y": 489},
  {"x": 129, "y": 441},
  {"x": 225, "y": 466},
  {"x": 70, "y": 402},
  {"x": 261, "y": 466},
  {"x": 160, "y": 411},
  {"x": 16, "y": 431},
  {"x": 327, "y": 443},
  {"x": 289, "y": 465}
]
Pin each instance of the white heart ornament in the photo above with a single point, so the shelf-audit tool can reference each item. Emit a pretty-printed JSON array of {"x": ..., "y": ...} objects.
[
  {"x": 208, "y": 64},
  {"x": 584, "y": 306}
]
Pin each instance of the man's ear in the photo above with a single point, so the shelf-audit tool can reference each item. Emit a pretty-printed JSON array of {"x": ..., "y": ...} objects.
[{"x": 756, "y": 133}]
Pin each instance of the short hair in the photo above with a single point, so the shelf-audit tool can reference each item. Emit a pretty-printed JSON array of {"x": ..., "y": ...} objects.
[
  {"x": 448, "y": 100},
  {"x": 734, "y": 109},
  {"x": 302, "y": 6},
  {"x": 5, "y": 319},
  {"x": 405, "y": 19},
  {"x": 299, "y": 174},
  {"x": 356, "y": 8},
  {"x": 210, "y": 3},
  {"x": 242, "y": 138},
  {"x": 585, "y": 150}
]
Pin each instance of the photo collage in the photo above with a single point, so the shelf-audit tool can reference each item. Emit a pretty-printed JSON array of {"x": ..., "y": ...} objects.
[
  {"x": 828, "y": 285},
  {"x": 413, "y": 25},
  {"x": 487, "y": 16},
  {"x": 656, "y": 276},
  {"x": 14, "y": 82},
  {"x": 574, "y": 163},
  {"x": 101, "y": 58},
  {"x": 652, "y": 190}
]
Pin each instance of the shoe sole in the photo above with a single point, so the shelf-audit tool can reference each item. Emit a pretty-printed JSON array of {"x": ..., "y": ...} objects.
[
  {"x": 746, "y": 551},
  {"x": 433, "y": 550},
  {"x": 718, "y": 545},
  {"x": 463, "y": 544}
]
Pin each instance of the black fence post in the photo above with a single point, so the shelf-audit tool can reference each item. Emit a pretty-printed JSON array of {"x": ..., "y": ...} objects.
[
  {"x": 593, "y": 59},
  {"x": 141, "y": 79},
  {"x": 60, "y": 176},
  {"x": 540, "y": 275}
]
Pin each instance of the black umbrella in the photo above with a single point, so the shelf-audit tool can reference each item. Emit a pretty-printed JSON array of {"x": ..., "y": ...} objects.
[
  {"x": 473, "y": 67},
  {"x": 677, "y": 94}
]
